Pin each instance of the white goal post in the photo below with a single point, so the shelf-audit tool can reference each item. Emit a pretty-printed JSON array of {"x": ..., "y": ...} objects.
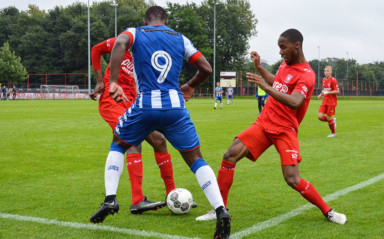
[{"x": 61, "y": 89}]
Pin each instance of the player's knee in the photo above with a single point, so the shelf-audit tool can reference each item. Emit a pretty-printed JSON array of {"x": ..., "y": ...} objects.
[
  {"x": 159, "y": 143},
  {"x": 292, "y": 180},
  {"x": 230, "y": 157}
]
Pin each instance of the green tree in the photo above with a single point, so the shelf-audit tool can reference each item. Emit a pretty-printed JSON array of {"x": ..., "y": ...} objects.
[{"x": 10, "y": 66}]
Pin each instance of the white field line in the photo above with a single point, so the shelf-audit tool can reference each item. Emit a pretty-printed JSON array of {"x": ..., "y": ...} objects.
[
  {"x": 131, "y": 232},
  {"x": 246, "y": 232},
  {"x": 279, "y": 219}
]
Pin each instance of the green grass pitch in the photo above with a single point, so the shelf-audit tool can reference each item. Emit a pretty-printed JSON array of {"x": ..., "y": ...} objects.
[{"x": 52, "y": 156}]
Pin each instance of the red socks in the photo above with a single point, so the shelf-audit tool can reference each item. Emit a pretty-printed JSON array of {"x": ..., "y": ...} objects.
[
  {"x": 135, "y": 170},
  {"x": 331, "y": 124},
  {"x": 225, "y": 179},
  {"x": 306, "y": 190},
  {"x": 164, "y": 162},
  {"x": 324, "y": 118}
]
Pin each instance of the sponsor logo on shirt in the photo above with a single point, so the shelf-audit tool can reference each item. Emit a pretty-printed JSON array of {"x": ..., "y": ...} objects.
[
  {"x": 127, "y": 67},
  {"x": 307, "y": 70},
  {"x": 280, "y": 87}
]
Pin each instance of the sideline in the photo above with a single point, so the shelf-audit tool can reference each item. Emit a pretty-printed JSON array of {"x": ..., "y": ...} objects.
[{"x": 279, "y": 219}]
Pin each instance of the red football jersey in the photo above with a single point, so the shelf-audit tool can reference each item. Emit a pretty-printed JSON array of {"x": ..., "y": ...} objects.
[
  {"x": 126, "y": 75},
  {"x": 295, "y": 78},
  {"x": 328, "y": 85}
]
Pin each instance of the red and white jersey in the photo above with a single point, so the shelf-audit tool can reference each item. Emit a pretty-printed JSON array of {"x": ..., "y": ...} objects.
[
  {"x": 126, "y": 75},
  {"x": 295, "y": 78},
  {"x": 328, "y": 85}
]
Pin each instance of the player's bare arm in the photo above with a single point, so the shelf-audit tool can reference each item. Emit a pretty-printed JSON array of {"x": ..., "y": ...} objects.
[
  {"x": 117, "y": 56},
  {"x": 270, "y": 78},
  {"x": 293, "y": 101},
  {"x": 99, "y": 85},
  {"x": 204, "y": 70},
  {"x": 331, "y": 92}
]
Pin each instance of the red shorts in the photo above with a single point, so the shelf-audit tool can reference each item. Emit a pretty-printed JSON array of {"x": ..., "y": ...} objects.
[
  {"x": 257, "y": 140},
  {"x": 111, "y": 111},
  {"x": 328, "y": 110}
]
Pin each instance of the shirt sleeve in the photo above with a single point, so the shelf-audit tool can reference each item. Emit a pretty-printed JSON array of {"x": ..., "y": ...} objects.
[
  {"x": 100, "y": 49},
  {"x": 335, "y": 85},
  {"x": 303, "y": 86},
  {"x": 131, "y": 32},
  {"x": 190, "y": 52}
]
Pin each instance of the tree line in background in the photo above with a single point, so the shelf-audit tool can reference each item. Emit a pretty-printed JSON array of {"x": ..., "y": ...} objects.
[{"x": 56, "y": 41}]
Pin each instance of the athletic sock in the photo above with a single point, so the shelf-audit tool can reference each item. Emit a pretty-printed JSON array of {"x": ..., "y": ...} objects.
[
  {"x": 324, "y": 118},
  {"x": 163, "y": 160},
  {"x": 207, "y": 181},
  {"x": 331, "y": 124},
  {"x": 221, "y": 104},
  {"x": 309, "y": 192},
  {"x": 113, "y": 169},
  {"x": 225, "y": 179},
  {"x": 109, "y": 198},
  {"x": 227, "y": 102},
  {"x": 135, "y": 170},
  {"x": 215, "y": 104}
]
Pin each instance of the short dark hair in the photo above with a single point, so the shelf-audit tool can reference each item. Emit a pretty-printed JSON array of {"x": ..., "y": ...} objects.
[
  {"x": 155, "y": 13},
  {"x": 293, "y": 36}
]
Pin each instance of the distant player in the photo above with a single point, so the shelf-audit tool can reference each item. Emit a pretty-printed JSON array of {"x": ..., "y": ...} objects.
[
  {"x": 229, "y": 94},
  {"x": 111, "y": 112},
  {"x": 261, "y": 96},
  {"x": 290, "y": 92},
  {"x": 218, "y": 95},
  {"x": 328, "y": 107},
  {"x": 159, "y": 52}
]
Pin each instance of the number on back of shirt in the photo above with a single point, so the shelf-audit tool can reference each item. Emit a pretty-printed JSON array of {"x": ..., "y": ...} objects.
[{"x": 162, "y": 62}]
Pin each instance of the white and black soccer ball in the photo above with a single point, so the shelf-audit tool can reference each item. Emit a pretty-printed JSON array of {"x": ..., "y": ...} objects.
[{"x": 179, "y": 201}]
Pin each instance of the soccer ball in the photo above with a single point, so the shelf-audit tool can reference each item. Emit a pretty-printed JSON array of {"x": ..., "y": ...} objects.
[{"x": 179, "y": 201}]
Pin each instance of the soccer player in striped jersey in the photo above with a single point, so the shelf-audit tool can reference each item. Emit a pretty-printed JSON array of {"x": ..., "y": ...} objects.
[
  {"x": 218, "y": 95},
  {"x": 111, "y": 111},
  {"x": 229, "y": 94},
  {"x": 328, "y": 107},
  {"x": 158, "y": 54}
]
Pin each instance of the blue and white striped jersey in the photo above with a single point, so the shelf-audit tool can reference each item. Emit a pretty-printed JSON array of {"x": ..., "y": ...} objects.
[
  {"x": 158, "y": 53},
  {"x": 230, "y": 91},
  {"x": 218, "y": 91}
]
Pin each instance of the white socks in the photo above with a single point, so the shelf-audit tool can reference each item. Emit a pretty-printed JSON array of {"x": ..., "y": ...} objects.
[
  {"x": 207, "y": 181},
  {"x": 113, "y": 169}
]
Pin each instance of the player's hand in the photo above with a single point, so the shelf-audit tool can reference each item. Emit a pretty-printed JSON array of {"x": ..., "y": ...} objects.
[
  {"x": 256, "y": 59},
  {"x": 187, "y": 91},
  {"x": 255, "y": 78},
  {"x": 117, "y": 93},
  {"x": 98, "y": 90},
  {"x": 321, "y": 95}
]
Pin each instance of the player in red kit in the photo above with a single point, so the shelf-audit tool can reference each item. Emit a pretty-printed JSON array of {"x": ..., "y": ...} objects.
[
  {"x": 290, "y": 91},
  {"x": 330, "y": 92},
  {"x": 111, "y": 112}
]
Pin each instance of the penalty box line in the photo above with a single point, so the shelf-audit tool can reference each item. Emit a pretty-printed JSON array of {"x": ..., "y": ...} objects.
[
  {"x": 76, "y": 225},
  {"x": 284, "y": 217}
]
